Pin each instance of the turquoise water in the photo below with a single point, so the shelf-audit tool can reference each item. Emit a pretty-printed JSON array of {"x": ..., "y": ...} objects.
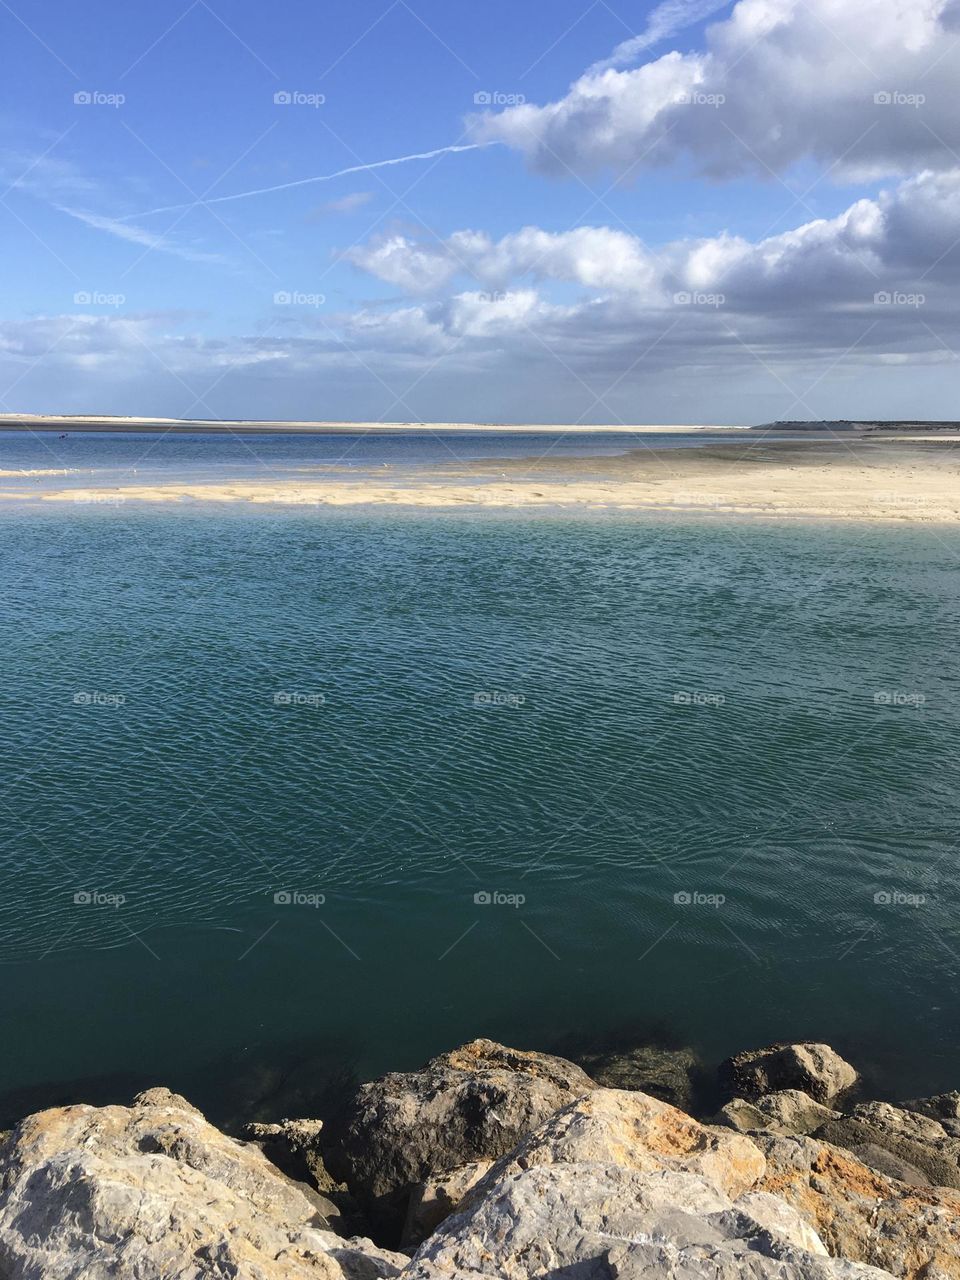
[{"x": 380, "y": 716}]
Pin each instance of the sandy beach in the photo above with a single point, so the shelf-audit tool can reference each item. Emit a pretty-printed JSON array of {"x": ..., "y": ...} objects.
[{"x": 907, "y": 479}]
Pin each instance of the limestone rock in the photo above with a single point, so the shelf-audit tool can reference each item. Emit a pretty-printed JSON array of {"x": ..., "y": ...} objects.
[
  {"x": 634, "y": 1131},
  {"x": 787, "y": 1111},
  {"x": 813, "y": 1068},
  {"x": 594, "y": 1221},
  {"x": 472, "y": 1104},
  {"x": 668, "y": 1074},
  {"x": 154, "y": 1192},
  {"x": 887, "y": 1137},
  {"x": 295, "y": 1147},
  {"x": 913, "y": 1232},
  {"x": 434, "y": 1200}
]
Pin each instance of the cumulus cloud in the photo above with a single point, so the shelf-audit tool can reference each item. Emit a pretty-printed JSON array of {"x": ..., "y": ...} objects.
[
  {"x": 597, "y": 257},
  {"x": 570, "y": 313},
  {"x": 865, "y": 86}
]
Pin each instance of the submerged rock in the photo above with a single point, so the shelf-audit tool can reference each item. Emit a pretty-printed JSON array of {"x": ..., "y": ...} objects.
[
  {"x": 153, "y": 1191},
  {"x": 672, "y": 1075},
  {"x": 912, "y": 1232},
  {"x": 474, "y": 1103},
  {"x": 815, "y": 1069}
]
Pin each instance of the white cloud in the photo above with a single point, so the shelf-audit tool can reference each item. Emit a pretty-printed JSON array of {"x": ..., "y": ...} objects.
[
  {"x": 780, "y": 81},
  {"x": 596, "y": 257}
]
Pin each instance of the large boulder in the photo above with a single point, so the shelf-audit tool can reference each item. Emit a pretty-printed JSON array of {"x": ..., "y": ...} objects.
[
  {"x": 474, "y": 1103},
  {"x": 596, "y": 1221},
  {"x": 634, "y": 1131},
  {"x": 903, "y": 1144},
  {"x": 912, "y": 1232},
  {"x": 813, "y": 1068},
  {"x": 154, "y": 1192}
]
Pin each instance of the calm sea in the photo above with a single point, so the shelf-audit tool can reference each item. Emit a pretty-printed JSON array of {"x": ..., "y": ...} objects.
[{"x": 290, "y": 795}]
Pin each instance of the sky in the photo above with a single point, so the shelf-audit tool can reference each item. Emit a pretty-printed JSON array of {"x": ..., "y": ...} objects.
[{"x": 544, "y": 211}]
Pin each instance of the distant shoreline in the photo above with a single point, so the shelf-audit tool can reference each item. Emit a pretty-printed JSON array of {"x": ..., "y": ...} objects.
[
  {"x": 255, "y": 426},
  {"x": 81, "y": 422}
]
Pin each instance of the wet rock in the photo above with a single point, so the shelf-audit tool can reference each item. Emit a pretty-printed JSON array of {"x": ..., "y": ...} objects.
[
  {"x": 944, "y": 1107},
  {"x": 915, "y": 1142},
  {"x": 474, "y": 1103},
  {"x": 912, "y": 1232},
  {"x": 672, "y": 1075},
  {"x": 815, "y": 1069},
  {"x": 153, "y": 1191},
  {"x": 595, "y": 1221}
]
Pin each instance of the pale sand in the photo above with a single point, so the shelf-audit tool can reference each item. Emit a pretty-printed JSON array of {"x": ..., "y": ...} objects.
[{"x": 861, "y": 480}]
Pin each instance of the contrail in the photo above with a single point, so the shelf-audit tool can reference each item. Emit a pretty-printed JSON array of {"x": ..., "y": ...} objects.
[
  {"x": 667, "y": 19},
  {"x": 304, "y": 182}
]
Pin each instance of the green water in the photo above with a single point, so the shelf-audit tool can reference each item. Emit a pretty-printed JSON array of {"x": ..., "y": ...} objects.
[{"x": 765, "y": 714}]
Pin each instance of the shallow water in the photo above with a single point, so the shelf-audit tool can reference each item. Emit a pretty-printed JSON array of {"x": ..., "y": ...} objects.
[{"x": 595, "y": 715}]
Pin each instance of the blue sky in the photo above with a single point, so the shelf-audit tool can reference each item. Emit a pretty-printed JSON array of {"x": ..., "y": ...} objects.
[{"x": 534, "y": 277}]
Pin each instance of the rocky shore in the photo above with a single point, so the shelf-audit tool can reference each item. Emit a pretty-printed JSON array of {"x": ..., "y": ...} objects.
[{"x": 497, "y": 1162}]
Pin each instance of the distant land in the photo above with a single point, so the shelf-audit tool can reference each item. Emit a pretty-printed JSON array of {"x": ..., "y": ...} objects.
[{"x": 106, "y": 422}]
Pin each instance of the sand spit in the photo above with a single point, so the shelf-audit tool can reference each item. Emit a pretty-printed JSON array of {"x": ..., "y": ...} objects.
[{"x": 901, "y": 480}]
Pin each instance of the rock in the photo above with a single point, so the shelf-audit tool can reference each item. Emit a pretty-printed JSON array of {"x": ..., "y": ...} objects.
[
  {"x": 153, "y": 1191},
  {"x": 672, "y": 1075},
  {"x": 595, "y": 1221},
  {"x": 813, "y": 1068},
  {"x": 919, "y": 1144},
  {"x": 433, "y": 1201},
  {"x": 614, "y": 1126},
  {"x": 787, "y": 1111},
  {"x": 942, "y": 1106},
  {"x": 472, "y": 1104},
  {"x": 912, "y": 1232},
  {"x": 743, "y": 1116},
  {"x": 294, "y": 1147}
]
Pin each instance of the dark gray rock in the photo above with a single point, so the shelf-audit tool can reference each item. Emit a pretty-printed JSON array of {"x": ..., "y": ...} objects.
[
  {"x": 916, "y": 1143},
  {"x": 472, "y": 1104},
  {"x": 672, "y": 1075}
]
